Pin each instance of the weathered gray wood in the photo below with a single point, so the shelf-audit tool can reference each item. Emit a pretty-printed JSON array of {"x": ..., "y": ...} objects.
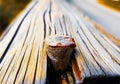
[
  {"x": 23, "y": 57},
  {"x": 113, "y": 68}
]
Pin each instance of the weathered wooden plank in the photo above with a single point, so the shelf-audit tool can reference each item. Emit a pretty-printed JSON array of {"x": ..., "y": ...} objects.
[
  {"x": 110, "y": 36},
  {"x": 25, "y": 58},
  {"x": 7, "y": 39},
  {"x": 42, "y": 57},
  {"x": 22, "y": 30},
  {"x": 92, "y": 42},
  {"x": 114, "y": 54},
  {"x": 109, "y": 46},
  {"x": 20, "y": 51}
]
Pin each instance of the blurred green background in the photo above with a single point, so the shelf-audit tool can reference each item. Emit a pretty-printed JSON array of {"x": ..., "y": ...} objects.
[{"x": 8, "y": 10}]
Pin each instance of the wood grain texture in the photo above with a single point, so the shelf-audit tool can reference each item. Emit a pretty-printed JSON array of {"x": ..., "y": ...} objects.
[{"x": 23, "y": 56}]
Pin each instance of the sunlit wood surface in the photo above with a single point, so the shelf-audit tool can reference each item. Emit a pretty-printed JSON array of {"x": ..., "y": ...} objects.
[{"x": 23, "y": 57}]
